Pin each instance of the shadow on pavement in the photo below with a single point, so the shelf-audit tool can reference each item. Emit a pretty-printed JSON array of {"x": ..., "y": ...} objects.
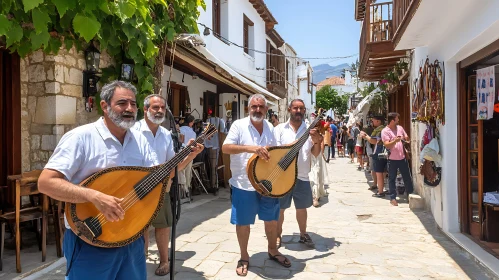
[
  {"x": 181, "y": 272},
  {"x": 462, "y": 258}
]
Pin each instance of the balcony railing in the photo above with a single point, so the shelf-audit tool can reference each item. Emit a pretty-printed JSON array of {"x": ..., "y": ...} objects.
[
  {"x": 403, "y": 10},
  {"x": 377, "y": 25},
  {"x": 274, "y": 76}
]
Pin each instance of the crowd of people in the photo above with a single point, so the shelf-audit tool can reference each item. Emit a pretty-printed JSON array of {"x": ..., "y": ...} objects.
[{"x": 118, "y": 139}]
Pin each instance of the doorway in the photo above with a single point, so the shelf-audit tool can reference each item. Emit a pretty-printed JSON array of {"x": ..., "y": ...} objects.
[
  {"x": 478, "y": 152},
  {"x": 10, "y": 116},
  {"x": 210, "y": 103}
]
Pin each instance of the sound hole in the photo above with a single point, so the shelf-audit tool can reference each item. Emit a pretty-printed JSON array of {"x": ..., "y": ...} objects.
[{"x": 267, "y": 184}]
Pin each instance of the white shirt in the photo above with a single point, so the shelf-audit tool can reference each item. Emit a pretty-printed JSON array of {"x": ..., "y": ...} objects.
[
  {"x": 220, "y": 126},
  {"x": 285, "y": 134},
  {"x": 188, "y": 133},
  {"x": 242, "y": 132},
  {"x": 90, "y": 148},
  {"x": 161, "y": 144}
]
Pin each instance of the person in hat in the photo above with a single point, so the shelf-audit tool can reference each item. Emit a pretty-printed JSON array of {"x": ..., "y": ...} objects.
[{"x": 378, "y": 165}]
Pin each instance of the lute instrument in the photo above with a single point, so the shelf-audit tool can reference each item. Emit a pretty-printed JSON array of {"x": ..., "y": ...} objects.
[
  {"x": 143, "y": 190},
  {"x": 277, "y": 177}
]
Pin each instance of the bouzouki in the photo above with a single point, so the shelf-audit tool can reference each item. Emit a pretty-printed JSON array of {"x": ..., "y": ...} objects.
[
  {"x": 277, "y": 177},
  {"x": 143, "y": 190}
]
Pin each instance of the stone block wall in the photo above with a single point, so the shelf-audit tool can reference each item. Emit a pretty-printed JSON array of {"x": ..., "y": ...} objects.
[{"x": 51, "y": 102}]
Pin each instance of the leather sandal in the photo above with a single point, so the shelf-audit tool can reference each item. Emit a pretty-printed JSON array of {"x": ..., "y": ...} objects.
[
  {"x": 244, "y": 270},
  {"x": 286, "y": 263}
]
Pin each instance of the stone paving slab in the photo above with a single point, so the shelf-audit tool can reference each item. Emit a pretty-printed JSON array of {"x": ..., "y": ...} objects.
[{"x": 357, "y": 237}]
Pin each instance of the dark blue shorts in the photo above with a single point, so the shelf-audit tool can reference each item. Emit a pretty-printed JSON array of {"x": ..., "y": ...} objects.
[
  {"x": 90, "y": 262},
  {"x": 247, "y": 204},
  {"x": 379, "y": 165},
  {"x": 301, "y": 195}
]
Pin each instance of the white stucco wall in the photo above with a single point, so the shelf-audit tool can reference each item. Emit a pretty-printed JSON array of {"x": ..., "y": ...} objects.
[
  {"x": 234, "y": 56},
  {"x": 196, "y": 88},
  {"x": 454, "y": 36}
]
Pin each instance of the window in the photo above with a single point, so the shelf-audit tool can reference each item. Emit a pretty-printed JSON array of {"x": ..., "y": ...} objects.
[
  {"x": 248, "y": 35},
  {"x": 216, "y": 17}
]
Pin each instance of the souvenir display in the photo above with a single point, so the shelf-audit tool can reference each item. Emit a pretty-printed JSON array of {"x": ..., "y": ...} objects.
[{"x": 428, "y": 92}]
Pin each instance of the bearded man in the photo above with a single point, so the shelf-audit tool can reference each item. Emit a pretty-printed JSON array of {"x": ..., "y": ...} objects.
[
  {"x": 246, "y": 137},
  {"x": 288, "y": 133},
  {"x": 160, "y": 141},
  {"x": 87, "y": 149}
]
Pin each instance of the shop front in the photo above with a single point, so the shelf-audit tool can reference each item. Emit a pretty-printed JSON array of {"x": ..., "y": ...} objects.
[{"x": 479, "y": 149}]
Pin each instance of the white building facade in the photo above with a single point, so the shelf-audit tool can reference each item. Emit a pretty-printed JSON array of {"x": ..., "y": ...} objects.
[{"x": 463, "y": 39}]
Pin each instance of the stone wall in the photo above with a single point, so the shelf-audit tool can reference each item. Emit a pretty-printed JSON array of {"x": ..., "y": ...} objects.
[{"x": 51, "y": 102}]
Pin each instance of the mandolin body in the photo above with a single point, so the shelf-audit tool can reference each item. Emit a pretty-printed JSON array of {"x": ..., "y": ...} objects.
[
  {"x": 263, "y": 174},
  {"x": 118, "y": 182}
]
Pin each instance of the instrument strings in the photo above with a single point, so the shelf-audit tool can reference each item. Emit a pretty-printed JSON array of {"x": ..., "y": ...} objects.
[
  {"x": 147, "y": 185},
  {"x": 289, "y": 157}
]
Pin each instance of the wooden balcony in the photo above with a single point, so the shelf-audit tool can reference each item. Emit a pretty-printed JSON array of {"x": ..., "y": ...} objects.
[
  {"x": 403, "y": 11},
  {"x": 276, "y": 82},
  {"x": 377, "y": 51}
]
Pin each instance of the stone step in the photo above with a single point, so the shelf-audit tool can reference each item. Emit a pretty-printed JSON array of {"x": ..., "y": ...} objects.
[{"x": 416, "y": 201}]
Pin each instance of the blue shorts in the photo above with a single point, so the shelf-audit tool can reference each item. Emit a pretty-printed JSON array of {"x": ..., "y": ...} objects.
[
  {"x": 379, "y": 165},
  {"x": 301, "y": 194},
  {"x": 90, "y": 262},
  {"x": 246, "y": 204}
]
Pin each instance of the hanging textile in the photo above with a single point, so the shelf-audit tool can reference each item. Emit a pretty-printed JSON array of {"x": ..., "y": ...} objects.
[
  {"x": 428, "y": 93},
  {"x": 485, "y": 88}
]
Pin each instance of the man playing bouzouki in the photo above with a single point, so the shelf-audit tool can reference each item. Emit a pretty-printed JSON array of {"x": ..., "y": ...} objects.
[
  {"x": 160, "y": 140},
  {"x": 83, "y": 151},
  {"x": 287, "y": 133},
  {"x": 246, "y": 137}
]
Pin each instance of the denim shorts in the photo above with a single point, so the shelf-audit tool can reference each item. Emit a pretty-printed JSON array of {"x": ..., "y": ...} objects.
[
  {"x": 247, "y": 204},
  {"x": 301, "y": 195},
  {"x": 379, "y": 165}
]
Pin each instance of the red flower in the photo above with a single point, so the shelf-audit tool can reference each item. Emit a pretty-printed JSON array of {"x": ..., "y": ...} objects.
[{"x": 384, "y": 81}]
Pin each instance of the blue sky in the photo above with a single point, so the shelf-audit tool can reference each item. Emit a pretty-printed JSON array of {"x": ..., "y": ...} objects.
[{"x": 318, "y": 28}]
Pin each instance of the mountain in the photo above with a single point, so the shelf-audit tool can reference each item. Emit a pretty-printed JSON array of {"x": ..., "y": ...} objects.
[{"x": 324, "y": 71}]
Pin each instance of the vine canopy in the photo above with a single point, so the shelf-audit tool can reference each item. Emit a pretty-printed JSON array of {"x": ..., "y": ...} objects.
[{"x": 135, "y": 30}]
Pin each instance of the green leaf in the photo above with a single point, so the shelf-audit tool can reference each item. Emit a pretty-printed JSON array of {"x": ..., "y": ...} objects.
[
  {"x": 91, "y": 5},
  {"x": 24, "y": 48},
  {"x": 140, "y": 71},
  {"x": 55, "y": 44},
  {"x": 143, "y": 12},
  {"x": 146, "y": 86},
  {"x": 68, "y": 43},
  {"x": 31, "y": 4},
  {"x": 5, "y": 24},
  {"x": 86, "y": 26},
  {"x": 63, "y": 5},
  {"x": 40, "y": 20},
  {"x": 104, "y": 6},
  {"x": 130, "y": 31},
  {"x": 14, "y": 35},
  {"x": 37, "y": 40},
  {"x": 151, "y": 49},
  {"x": 170, "y": 34},
  {"x": 127, "y": 7},
  {"x": 133, "y": 49}
]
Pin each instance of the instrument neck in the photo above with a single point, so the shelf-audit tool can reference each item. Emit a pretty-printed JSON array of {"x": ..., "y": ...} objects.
[{"x": 288, "y": 158}]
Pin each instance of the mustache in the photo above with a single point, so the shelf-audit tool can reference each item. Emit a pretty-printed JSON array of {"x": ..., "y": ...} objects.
[{"x": 127, "y": 114}]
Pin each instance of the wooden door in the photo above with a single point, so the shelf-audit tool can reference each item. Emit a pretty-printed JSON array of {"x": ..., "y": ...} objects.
[
  {"x": 210, "y": 102},
  {"x": 10, "y": 116}
]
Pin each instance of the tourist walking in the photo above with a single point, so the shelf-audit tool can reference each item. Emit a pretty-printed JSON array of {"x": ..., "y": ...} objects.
[{"x": 393, "y": 137}]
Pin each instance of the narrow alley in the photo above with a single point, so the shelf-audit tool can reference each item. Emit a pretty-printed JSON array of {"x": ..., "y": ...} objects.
[{"x": 357, "y": 237}]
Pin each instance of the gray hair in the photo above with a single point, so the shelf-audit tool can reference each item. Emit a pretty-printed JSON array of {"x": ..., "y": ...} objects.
[
  {"x": 296, "y": 99},
  {"x": 257, "y": 96},
  {"x": 147, "y": 100},
  {"x": 107, "y": 91}
]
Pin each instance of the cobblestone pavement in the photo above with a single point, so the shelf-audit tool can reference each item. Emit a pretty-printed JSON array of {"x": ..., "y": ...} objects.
[{"x": 357, "y": 237}]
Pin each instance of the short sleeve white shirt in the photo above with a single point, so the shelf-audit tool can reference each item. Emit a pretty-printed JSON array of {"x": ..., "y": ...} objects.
[
  {"x": 188, "y": 133},
  {"x": 285, "y": 134},
  {"x": 90, "y": 148},
  {"x": 242, "y": 132},
  {"x": 161, "y": 143}
]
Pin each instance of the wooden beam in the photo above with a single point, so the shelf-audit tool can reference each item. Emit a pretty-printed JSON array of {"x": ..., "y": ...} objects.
[{"x": 481, "y": 54}]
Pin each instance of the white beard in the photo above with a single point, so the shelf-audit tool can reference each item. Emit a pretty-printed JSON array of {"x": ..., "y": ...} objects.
[
  {"x": 118, "y": 119},
  {"x": 153, "y": 119},
  {"x": 256, "y": 119}
]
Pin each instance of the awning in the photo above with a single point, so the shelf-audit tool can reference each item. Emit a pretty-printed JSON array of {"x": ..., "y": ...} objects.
[
  {"x": 362, "y": 108},
  {"x": 258, "y": 89}
]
